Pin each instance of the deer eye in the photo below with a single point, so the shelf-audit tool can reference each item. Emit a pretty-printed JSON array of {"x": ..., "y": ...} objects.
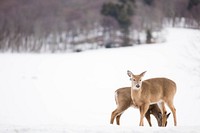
[
  {"x": 133, "y": 79},
  {"x": 140, "y": 80}
]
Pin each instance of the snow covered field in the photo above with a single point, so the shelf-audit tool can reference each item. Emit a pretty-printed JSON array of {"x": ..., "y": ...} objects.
[{"x": 61, "y": 93}]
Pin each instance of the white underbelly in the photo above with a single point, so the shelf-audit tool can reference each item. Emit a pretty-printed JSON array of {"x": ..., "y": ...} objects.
[{"x": 156, "y": 102}]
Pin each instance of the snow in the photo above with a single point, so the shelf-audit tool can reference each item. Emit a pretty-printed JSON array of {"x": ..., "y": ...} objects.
[{"x": 74, "y": 92}]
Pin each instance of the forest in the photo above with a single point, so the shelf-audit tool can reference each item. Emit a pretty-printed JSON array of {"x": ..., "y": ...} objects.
[{"x": 36, "y": 26}]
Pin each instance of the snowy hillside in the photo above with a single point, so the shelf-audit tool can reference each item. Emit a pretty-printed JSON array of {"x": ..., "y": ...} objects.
[{"x": 56, "y": 93}]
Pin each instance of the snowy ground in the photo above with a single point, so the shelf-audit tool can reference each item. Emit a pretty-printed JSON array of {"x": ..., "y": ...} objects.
[{"x": 56, "y": 93}]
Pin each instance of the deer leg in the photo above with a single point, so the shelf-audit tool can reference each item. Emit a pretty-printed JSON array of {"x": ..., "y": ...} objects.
[
  {"x": 147, "y": 115},
  {"x": 114, "y": 114},
  {"x": 141, "y": 116},
  {"x": 172, "y": 108},
  {"x": 118, "y": 119},
  {"x": 143, "y": 110}
]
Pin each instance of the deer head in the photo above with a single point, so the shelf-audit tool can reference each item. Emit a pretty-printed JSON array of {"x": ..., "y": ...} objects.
[{"x": 136, "y": 79}]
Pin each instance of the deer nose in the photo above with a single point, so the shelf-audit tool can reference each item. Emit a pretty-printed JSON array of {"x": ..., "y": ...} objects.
[{"x": 137, "y": 85}]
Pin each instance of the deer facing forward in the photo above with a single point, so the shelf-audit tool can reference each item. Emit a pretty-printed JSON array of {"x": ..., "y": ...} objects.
[
  {"x": 154, "y": 90},
  {"x": 124, "y": 101}
]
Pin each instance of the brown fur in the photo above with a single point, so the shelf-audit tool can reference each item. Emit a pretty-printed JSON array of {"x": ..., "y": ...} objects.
[
  {"x": 155, "y": 90},
  {"x": 124, "y": 101}
]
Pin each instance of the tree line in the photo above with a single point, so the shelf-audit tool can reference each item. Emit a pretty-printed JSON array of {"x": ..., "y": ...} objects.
[{"x": 73, "y": 25}]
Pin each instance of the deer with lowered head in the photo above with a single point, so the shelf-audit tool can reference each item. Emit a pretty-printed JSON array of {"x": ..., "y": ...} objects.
[
  {"x": 124, "y": 101},
  {"x": 151, "y": 91}
]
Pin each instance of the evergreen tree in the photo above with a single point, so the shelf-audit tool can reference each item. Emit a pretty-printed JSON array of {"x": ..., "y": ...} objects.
[
  {"x": 122, "y": 13},
  {"x": 148, "y": 36},
  {"x": 148, "y": 2},
  {"x": 192, "y": 3},
  {"x": 149, "y": 29}
]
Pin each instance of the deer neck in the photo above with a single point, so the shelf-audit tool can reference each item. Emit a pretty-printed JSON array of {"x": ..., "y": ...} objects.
[{"x": 135, "y": 96}]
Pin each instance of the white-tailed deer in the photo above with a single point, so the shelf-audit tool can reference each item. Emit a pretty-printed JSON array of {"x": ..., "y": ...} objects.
[
  {"x": 150, "y": 91},
  {"x": 124, "y": 101}
]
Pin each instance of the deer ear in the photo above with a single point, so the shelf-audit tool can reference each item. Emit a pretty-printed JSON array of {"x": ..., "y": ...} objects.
[
  {"x": 143, "y": 73},
  {"x": 168, "y": 115},
  {"x": 129, "y": 73}
]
